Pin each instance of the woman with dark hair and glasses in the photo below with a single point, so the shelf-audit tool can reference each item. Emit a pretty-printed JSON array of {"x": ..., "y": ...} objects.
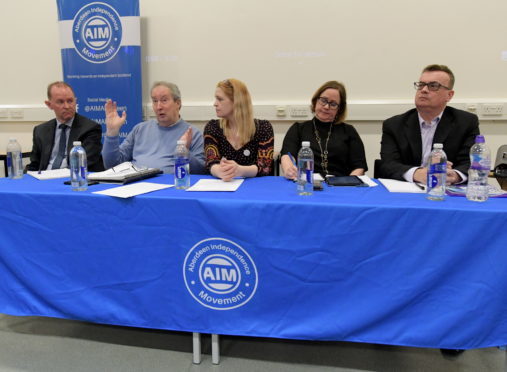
[
  {"x": 337, "y": 147},
  {"x": 237, "y": 145}
]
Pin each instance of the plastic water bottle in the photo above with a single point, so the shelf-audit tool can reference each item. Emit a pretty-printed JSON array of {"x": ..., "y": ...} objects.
[
  {"x": 181, "y": 166},
  {"x": 14, "y": 159},
  {"x": 437, "y": 173},
  {"x": 305, "y": 170},
  {"x": 480, "y": 164},
  {"x": 78, "y": 167}
]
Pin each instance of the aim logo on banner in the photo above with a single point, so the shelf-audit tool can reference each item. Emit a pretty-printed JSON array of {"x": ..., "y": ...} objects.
[
  {"x": 101, "y": 56},
  {"x": 97, "y": 32}
]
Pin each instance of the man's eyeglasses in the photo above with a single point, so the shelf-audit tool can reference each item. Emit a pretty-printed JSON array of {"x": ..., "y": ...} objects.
[
  {"x": 324, "y": 102},
  {"x": 432, "y": 85}
]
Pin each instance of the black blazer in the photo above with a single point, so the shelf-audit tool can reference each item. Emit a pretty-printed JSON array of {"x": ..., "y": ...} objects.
[
  {"x": 83, "y": 129},
  {"x": 401, "y": 146}
]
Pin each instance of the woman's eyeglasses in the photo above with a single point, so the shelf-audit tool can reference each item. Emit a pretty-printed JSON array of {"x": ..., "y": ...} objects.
[{"x": 324, "y": 102}]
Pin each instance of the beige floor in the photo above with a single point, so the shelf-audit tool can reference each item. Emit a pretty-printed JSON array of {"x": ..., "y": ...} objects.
[{"x": 53, "y": 345}]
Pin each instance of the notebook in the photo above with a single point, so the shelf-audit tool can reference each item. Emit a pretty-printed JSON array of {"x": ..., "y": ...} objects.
[{"x": 124, "y": 173}]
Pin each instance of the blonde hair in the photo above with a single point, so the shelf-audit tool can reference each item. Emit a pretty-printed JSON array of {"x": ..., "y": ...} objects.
[{"x": 237, "y": 92}]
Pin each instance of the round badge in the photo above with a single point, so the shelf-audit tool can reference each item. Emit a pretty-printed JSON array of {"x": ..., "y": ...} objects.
[
  {"x": 246, "y": 152},
  {"x": 97, "y": 32},
  {"x": 219, "y": 274}
]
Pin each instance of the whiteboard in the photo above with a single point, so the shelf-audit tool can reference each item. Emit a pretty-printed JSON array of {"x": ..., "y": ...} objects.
[{"x": 283, "y": 50}]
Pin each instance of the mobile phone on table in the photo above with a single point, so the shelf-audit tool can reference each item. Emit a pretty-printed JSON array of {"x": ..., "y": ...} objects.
[{"x": 317, "y": 186}]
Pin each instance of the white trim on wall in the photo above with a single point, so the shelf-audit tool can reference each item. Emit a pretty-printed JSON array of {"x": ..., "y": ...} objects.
[{"x": 490, "y": 110}]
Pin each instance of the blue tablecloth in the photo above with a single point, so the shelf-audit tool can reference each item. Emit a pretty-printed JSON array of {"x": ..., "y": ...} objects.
[{"x": 354, "y": 264}]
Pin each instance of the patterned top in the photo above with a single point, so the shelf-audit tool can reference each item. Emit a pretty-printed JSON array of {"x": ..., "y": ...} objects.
[{"x": 259, "y": 151}]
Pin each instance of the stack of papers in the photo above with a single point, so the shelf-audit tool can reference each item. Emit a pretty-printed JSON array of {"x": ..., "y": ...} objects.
[
  {"x": 402, "y": 186},
  {"x": 461, "y": 190},
  {"x": 50, "y": 174}
]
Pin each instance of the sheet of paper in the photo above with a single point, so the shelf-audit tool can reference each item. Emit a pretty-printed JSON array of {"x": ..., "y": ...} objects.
[
  {"x": 50, "y": 174},
  {"x": 133, "y": 189},
  {"x": 216, "y": 185},
  {"x": 317, "y": 177},
  {"x": 402, "y": 186},
  {"x": 367, "y": 180}
]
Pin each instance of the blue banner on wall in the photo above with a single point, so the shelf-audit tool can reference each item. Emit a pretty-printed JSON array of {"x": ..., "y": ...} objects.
[{"x": 101, "y": 56}]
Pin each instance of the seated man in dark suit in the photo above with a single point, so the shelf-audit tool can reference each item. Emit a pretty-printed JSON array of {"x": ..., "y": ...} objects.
[
  {"x": 407, "y": 139},
  {"x": 52, "y": 140}
]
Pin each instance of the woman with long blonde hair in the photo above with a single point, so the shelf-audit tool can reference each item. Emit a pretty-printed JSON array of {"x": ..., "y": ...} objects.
[{"x": 237, "y": 145}]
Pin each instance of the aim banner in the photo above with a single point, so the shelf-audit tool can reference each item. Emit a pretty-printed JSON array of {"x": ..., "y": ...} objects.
[{"x": 101, "y": 56}]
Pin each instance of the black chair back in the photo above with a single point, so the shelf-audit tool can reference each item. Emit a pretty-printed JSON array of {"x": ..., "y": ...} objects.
[
  {"x": 376, "y": 169},
  {"x": 501, "y": 167},
  {"x": 4, "y": 159}
]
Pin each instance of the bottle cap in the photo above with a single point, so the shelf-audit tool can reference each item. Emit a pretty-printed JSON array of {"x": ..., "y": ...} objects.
[
  {"x": 181, "y": 142},
  {"x": 438, "y": 146},
  {"x": 76, "y": 143},
  {"x": 480, "y": 139},
  {"x": 305, "y": 143},
  {"x": 12, "y": 139}
]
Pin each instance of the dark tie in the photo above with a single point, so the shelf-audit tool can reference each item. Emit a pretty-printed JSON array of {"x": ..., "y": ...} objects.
[{"x": 61, "y": 148}]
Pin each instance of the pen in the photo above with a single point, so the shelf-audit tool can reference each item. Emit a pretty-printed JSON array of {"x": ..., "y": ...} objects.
[
  {"x": 422, "y": 187},
  {"x": 293, "y": 162},
  {"x": 292, "y": 158}
]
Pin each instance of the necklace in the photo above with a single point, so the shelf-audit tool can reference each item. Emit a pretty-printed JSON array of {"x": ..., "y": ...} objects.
[{"x": 324, "y": 153}]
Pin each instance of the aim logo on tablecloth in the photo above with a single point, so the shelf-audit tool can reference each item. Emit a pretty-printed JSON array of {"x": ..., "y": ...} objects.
[
  {"x": 97, "y": 32},
  {"x": 219, "y": 274}
]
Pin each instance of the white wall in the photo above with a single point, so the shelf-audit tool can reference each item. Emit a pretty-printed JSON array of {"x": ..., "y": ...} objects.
[{"x": 283, "y": 50}]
